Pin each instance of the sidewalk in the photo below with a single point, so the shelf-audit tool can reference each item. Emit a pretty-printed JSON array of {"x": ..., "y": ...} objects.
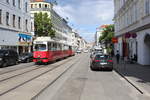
[{"x": 137, "y": 75}]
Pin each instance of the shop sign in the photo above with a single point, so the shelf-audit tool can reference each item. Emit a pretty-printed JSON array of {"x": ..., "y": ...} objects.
[
  {"x": 24, "y": 39},
  {"x": 127, "y": 35},
  {"x": 134, "y": 35},
  {"x": 114, "y": 40}
]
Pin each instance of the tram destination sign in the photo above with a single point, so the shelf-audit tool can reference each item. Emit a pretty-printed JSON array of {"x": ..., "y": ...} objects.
[{"x": 39, "y": 42}]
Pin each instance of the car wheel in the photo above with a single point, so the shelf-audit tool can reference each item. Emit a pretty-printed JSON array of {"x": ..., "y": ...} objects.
[
  {"x": 93, "y": 69},
  {"x": 16, "y": 62},
  {"x": 28, "y": 60},
  {"x": 5, "y": 64},
  {"x": 111, "y": 69}
]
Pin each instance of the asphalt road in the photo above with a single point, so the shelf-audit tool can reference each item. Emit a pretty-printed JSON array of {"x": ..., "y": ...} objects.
[
  {"x": 72, "y": 80},
  {"x": 80, "y": 83}
]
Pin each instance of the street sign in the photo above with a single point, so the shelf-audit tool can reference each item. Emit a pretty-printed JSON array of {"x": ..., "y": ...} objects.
[{"x": 114, "y": 40}]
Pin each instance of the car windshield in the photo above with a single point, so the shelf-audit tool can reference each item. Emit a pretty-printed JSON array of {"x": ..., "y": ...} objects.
[{"x": 40, "y": 47}]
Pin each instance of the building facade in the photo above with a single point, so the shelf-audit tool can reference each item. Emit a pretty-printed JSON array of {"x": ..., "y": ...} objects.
[
  {"x": 132, "y": 27},
  {"x": 60, "y": 25},
  {"x": 15, "y": 25},
  {"x": 97, "y": 35}
]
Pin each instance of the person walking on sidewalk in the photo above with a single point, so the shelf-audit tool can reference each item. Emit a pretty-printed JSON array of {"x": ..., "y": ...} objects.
[{"x": 117, "y": 57}]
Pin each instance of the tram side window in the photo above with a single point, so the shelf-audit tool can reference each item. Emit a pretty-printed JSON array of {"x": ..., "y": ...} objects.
[
  {"x": 70, "y": 48},
  {"x": 49, "y": 46},
  {"x": 52, "y": 46},
  {"x": 58, "y": 47},
  {"x": 40, "y": 47}
]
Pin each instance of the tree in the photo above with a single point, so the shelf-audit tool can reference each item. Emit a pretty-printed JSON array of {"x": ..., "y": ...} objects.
[
  {"x": 107, "y": 35},
  {"x": 43, "y": 25}
]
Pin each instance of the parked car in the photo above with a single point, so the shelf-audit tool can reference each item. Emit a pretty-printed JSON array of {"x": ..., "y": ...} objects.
[
  {"x": 78, "y": 51},
  {"x": 26, "y": 57},
  {"x": 100, "y": 61},
  {"x": 86, "y": 51},
  {"x": 8, "y": 57},
  {"x": 95, "y": 53}
]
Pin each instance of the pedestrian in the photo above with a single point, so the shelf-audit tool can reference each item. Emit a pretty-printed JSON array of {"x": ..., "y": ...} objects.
[{"x": 117, "y": 57}]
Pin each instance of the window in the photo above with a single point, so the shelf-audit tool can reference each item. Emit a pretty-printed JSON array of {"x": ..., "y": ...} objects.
[
  {"x": 26, "y": 22},
  {"x": 46, "y": 6},
  {"x": 31, "y": 27},
  {"x": 14, "y": 18},
  {"x": 7, "y": 1},
  {"x": 31, "y": 5},
  {"x": 19, "y": 22},
  {"x": 26, "y": 7},
  {"x": 147, "y": 7},
  {"x": 40, "y": 47},
  {"x": 14, "y": 3},
  {"x": 0, "y": 16},
  {"x": 19, "y": 4},
  {"x": 136, "y": 12},
  {"x": 7, "y": 18},
  {"x": 40, "y": 5},
  {"x": 35, "y": 5}
]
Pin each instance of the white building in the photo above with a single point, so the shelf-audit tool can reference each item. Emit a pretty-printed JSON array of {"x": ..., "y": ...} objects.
[
  {"x": 74, "y": 41},
  {"x": 60, "y": 25},
  {"x": 97, "y": 35},
  {"x": 15, "y": 25},
  {"x": 132, "y": 27}
]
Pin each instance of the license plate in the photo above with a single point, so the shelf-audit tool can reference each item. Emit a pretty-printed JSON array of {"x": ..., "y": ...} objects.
[{"x": 103, "y": 63}]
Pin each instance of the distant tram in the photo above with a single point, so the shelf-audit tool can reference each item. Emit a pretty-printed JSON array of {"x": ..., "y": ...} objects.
[{"x": 47, "y": 50}]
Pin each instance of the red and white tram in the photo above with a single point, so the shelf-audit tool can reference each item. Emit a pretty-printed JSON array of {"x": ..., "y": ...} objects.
[{"x": 46, "y": 50}]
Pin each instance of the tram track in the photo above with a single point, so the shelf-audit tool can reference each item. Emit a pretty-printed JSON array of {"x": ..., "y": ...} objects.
[
  {"x": 22, "y": 82},
  {"x": 20, "y": 68},
  {"x": 10, "y": 73}
]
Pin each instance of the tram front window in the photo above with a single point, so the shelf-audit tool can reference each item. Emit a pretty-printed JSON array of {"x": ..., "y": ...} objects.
[{"x": 40, "y": 47}]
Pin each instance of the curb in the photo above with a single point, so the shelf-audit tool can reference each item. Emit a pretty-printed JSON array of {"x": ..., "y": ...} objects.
[{"x": 130, "y": 82}]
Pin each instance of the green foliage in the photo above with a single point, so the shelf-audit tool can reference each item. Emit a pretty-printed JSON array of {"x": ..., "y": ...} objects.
[
  {"x": 106, "y": 37},
  {"x": 107, "y": 34},
  {"x": 43, "y": 25}
]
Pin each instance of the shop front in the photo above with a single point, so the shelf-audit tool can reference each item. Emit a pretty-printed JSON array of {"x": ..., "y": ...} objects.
[{"x": 24, "y": 43}]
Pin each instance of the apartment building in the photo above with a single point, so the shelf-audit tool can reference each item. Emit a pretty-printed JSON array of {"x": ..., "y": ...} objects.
[
  {"x": 60, "y": 25},
  {"x": 132, "y": 27},
  {"x": 16, "y": 27}
]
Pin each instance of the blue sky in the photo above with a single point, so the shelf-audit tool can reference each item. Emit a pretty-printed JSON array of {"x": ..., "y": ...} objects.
[{"x": 86, "y": 15}]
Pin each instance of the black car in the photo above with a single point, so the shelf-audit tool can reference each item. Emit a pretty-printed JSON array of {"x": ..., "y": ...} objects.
[
  {"x": 25, "y": 57},
  {"x": 99, "y": 62},
  {"x": 8, "y": 57}
]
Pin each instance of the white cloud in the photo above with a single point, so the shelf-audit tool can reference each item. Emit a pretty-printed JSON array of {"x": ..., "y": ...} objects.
[{"x": 86, "y": 13}]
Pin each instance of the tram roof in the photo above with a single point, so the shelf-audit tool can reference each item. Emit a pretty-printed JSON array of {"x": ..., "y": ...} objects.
[
  {"x": 44, "y": 39},
  {"x": 49, "y": 39}
]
